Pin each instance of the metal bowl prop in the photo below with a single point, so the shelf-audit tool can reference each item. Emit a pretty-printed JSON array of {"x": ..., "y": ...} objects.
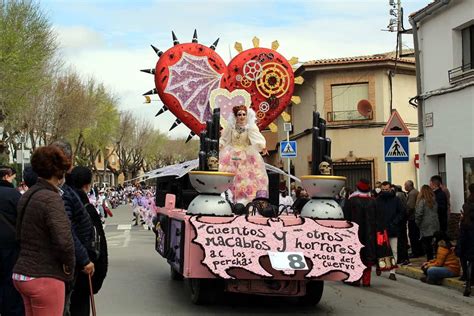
[
  {"x": 323, "y": 186},
  {"x": 211, "y": 182},
  {"x": 322, "y": 190},
  {"x": 210, "y": 185},
  {"x": 322, "y": 209}
]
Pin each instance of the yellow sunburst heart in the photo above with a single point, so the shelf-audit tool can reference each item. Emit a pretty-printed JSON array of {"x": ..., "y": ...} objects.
[
  {"x": 256, "y": 42},
  {"x": 273, "y": 127},
  {"x": 275, "y": 45},
  {"x": 286, "y": 117},
  {"x": 299, "y": 80},
  {"x": 293, "y": 60},
  {"x": 296, "y": 99},
  {"x": 238, "y": 47}
]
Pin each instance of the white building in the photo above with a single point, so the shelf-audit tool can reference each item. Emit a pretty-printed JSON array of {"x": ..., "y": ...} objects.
[{"x": 443, "y": 34}]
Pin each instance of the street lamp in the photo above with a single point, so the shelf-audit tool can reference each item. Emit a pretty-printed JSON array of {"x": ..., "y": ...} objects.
[
  {"x": 3, "y": 146},
  {"x": 22, "y": 140}
]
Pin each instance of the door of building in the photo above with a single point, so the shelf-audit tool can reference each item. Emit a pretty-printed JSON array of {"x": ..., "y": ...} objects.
[{"x": 354, "y": 171}]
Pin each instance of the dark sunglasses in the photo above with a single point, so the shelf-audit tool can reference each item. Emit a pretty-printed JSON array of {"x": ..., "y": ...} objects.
[{"x": 241, "y": 114}]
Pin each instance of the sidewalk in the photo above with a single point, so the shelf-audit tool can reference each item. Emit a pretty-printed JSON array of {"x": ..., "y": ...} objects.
[{"x": 414, "y": 271}]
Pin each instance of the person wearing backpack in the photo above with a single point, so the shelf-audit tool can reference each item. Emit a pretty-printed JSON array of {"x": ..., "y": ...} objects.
[
  {"x": 10, "y": 300},
  {"x": 81, "y": 182}
]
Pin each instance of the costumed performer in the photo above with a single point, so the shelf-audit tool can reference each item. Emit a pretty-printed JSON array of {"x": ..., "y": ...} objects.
[
  {"x": 360, "y": 209},
  {"x": 240, "y": 145}
]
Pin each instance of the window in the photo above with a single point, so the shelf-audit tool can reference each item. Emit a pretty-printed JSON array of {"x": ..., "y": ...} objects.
[
  {"x": 464, "y": 61},
  {"x": 344, "y": 101},
  {"x": 99, "y": 158},
  {"x": 467, "y": 35},
  {"x": 468, "y": 170},
  {"x": 442, "y": 167}
]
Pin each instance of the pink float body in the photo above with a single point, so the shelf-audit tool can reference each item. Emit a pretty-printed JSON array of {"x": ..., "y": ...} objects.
[{"x": 194, "y": 254}]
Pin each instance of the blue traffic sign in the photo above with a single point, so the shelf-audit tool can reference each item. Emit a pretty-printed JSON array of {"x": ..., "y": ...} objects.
[
  {"x": 396, "y": 149},
  {"x": 288, "y": 149}
]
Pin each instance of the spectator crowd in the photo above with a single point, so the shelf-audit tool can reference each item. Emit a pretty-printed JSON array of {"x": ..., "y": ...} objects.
[
  {"x": 54, "y": 252},
  {"x": 412, "y": 224},
  {"x": 52, "y": 243}
]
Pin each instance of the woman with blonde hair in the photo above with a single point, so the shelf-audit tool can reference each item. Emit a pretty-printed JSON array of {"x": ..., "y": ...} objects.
[{"x": 426, "y": 218}]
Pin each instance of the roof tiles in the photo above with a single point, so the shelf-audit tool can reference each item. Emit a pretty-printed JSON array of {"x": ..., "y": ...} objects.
[{"x": 360, "y": 59}]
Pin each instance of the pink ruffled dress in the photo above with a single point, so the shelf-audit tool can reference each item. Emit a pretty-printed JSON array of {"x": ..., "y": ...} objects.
[{"x": 240, "y": 154}]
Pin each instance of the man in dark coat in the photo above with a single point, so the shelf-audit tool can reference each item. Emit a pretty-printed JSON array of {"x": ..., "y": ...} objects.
[
  {"x": 413, "y": 230},
  {"x": 442, "y": 201},
  {"x": 11, "y": 302},
  {"x": 360, "y": 209},
  {"x": 81, "y": 183},
  {"x": 390, "y": 208},
  {"x": 402, "y": 242},
  {"x": 82, "y": 231},
  {"x": 465, "y": 244}
]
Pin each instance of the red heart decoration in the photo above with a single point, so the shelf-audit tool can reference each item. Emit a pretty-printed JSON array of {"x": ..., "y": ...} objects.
[
  {"x": 269, "y": 79},
  {"x": 185, "y": 75}
]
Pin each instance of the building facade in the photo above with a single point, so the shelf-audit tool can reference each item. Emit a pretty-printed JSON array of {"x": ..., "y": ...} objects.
[
  {"x": 105, "y": 176},
  {"x": 444, "y": 48},
  {"x": 334, "y": 88}
]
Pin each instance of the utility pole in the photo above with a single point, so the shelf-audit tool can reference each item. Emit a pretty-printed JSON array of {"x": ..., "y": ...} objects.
[
  {"x": 22, "y": 141},
  {"x": 395, "y": 25}
]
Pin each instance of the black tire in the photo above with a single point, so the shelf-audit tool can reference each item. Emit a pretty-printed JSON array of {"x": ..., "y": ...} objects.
[
  {"x": 202, "y": 291},
  {"x": 175, "y": 275},
  {"x": 314, "y": 292}
]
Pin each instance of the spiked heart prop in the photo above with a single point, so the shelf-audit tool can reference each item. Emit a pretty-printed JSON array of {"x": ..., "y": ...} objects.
[{"x": 267, "y": 76}]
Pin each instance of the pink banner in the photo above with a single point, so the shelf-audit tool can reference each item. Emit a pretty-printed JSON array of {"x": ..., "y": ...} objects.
[{"x": 240, "y": 244}]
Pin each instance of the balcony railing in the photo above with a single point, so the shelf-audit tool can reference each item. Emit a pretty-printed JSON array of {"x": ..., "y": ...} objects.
[
  {"x": 462, "y": 72},
  {"x": 336, "y": 116}
]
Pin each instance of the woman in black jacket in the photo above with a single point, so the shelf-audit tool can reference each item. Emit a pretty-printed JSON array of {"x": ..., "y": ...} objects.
[
  {"x": 10, "y": 300},
  {"x": 465, "y": 244},
  {"x": 81, "y": 178}
]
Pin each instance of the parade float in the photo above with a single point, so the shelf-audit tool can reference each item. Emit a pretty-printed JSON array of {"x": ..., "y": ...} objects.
[{"x": 216, "y": 243}]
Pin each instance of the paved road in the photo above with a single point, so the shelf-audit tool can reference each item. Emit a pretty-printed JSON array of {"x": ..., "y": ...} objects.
[{"x": 138, "y": 284}]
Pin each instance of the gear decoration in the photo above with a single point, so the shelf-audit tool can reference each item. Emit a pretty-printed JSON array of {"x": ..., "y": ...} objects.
[
  {"x": 253, "y": 70},
  {"x": 260, "y": 115},
  {"x": 264, "y": 107},
  {"x": 245, "y": 82},
  {"x": 274, "y": 81},
  {"x": 265, "y": 57}
]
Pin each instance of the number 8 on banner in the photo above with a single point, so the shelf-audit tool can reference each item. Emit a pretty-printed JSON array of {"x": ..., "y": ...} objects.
[{"x": 287, "y": 260}]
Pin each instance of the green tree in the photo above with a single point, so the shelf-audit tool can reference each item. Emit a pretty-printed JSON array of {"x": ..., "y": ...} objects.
[{"x": 27, "y": 56}]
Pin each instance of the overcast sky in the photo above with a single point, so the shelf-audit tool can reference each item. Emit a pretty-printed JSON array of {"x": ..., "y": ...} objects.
[{"x": 110, "y": 40}]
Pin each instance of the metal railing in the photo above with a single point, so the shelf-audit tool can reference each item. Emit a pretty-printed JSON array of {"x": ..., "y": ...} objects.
[
  {"x": 462, "y": 72},
  {"x": 336, "y": 116}
]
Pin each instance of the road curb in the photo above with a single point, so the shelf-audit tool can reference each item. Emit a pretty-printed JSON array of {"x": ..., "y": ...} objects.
[{"x": 416, "y": 273}]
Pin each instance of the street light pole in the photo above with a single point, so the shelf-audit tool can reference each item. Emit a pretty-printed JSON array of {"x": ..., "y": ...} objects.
[
  {"x": 289, "y": 166},
  {"x": 22, "y": 159}
]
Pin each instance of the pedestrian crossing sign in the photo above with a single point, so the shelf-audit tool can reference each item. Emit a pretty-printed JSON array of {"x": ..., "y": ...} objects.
[
  {"x": 396, "y": 149},
  {"x": 288, "y": 149}
]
